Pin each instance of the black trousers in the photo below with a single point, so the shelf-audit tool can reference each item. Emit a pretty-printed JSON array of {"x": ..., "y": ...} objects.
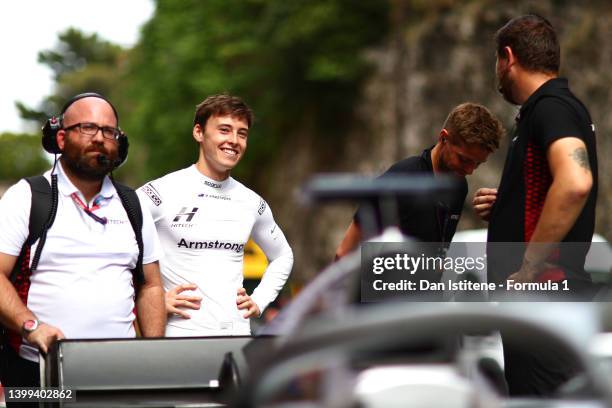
[
  {"x": 536, "y": 370},
  {"x": 17, "y": 372}
]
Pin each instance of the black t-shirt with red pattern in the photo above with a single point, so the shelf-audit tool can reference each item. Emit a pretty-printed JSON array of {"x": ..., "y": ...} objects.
[{"x": 549, "y": 114}]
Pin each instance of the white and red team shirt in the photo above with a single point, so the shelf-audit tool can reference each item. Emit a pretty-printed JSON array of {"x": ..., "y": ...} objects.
[
  {"x": 203, "y": 226},
  {"x": 83, "y": 283}
]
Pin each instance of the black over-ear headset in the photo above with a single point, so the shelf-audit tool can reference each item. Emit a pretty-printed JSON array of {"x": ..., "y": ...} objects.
[{"x": 55, "y": 124}]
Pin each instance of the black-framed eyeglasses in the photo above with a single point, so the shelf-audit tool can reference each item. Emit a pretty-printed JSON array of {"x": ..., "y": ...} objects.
[{"x": 91, "y": 129}]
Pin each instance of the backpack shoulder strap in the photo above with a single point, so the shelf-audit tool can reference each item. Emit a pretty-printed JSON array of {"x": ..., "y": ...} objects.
[
  {"x": 131, "y": 203},
  {"x": 40, "y": 208},
  {"x": 43, "y": 208}
]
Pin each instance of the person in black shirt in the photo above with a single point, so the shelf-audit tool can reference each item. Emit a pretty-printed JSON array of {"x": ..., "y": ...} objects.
[
  {"x": 470, "y": 133},
  {"x": 547, "y": 192}
]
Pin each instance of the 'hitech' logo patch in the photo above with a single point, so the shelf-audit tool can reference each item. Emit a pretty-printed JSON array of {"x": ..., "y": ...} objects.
[
  {"x": 183, "y": 213},
  {"x": 150, "y": 191},
  {"x": 262, "y": 206}
]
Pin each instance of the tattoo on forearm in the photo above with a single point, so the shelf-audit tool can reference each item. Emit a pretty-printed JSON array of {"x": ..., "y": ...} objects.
[{"x": 581, "y": 157}]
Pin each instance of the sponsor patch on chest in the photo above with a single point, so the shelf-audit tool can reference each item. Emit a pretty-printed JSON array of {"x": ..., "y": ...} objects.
[{"x": 216, "y": 244}]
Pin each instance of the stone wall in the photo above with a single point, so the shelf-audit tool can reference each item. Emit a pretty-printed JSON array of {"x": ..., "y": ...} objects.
[{"x": 438, "y": 55}]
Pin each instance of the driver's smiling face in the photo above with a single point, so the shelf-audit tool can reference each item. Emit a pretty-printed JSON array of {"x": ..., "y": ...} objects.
[{"x": 223, "y": 142}]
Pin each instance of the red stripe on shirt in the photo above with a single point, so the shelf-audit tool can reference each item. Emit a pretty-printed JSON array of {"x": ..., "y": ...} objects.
[
  {"x": 537, "y": 179},
  {"x": 22, "y": 286}
]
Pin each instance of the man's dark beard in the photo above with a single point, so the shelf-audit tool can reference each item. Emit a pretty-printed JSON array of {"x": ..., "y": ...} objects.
[
  {"x": 83, "y": 170},
  {"x": 79, "y": 166},
  {"x": 504, "y": 87}
]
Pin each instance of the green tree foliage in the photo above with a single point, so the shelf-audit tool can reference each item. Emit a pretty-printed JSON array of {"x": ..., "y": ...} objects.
[
  {"x": 297, "y": 63},
  {"x": 80, "y": 63},
  {"x": 76, "y": 50},
  {"x": 22, "y": 156}
]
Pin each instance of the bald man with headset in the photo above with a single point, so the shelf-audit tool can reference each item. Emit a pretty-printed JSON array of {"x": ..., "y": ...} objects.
[{"x": 95, "y": 259}]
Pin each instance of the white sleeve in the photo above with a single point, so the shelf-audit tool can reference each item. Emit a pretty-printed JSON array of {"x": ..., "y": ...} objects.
[
  {"x": 15, "y": 218},
  {"x": 151, "y": 200},
  {"x": 272, "y": 241},
  {"x": 152, "y": 249}
]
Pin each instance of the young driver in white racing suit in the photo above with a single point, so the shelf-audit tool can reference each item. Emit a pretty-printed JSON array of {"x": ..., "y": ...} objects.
[{"x": 204, "y": 219}]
